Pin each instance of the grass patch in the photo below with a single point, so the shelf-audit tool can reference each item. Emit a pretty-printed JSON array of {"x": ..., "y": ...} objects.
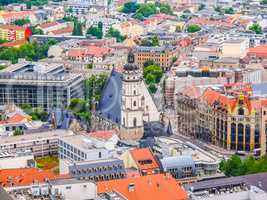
[{"x": 48, "y": 163}]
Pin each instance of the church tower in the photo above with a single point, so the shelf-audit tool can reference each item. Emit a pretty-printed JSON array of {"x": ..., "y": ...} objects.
[{"x": 132, "y": 102}]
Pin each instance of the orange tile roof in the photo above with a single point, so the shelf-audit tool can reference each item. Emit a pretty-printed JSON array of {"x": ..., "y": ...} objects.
[
  {"x": 89, "y": 51},
  {"x": 17, "y": 118},
  {"x": 15, "y": 43},
  {"x": 67, "y": 29},
  {"x": 151, "y": 187},
  {"x": 102, "y": 135},
  {"x": 48, "y": 24},
  {"x": 261, "y": 49},
  {"x": 12, "y": 27},
  {"x": 140, "y": 157},
  {"x": 26, "y": 176},
  {"x": 16, "y": 14}
]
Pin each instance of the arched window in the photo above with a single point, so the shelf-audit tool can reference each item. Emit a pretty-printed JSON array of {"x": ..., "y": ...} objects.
[
  {"x": 134, "y": 122},
  {"x": 134, "y": 92},
  {"x": 134, "y": 103},
  {"x": 124, "y": 121},
  {"x": 240, "y": 136},
  {"x": 240, "y": 111},
  {"x": 257, "y": 136},
  {"x": 247, "y": 137},
  {"x": 233, "y": 135}
]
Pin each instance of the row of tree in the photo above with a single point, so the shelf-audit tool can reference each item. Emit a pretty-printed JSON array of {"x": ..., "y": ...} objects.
[
  {"x": 97, "y": 31},
  {"x": 235, "y": 166},
  {"x": 31, "y": 51},
  {"x": 142, "y": 11},
  {"x": 35, "y": 113}
]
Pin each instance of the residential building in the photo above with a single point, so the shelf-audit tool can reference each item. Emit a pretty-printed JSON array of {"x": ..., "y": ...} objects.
[
  {"x": 13, "y": 32},
  {"x": 106, "y": 139},
  {"x": 97, "y": 170},
  {"x": 90, "y": 54},
  {"x": 42, "y": 143},
  {"x": 142, "y": 160},
  {"x": 25, "y": 177},
  {"x": 39, "y": 84},
  {"x": 72, "y": 189},
  {"x": 16, "y": 160},
  {"x": 235, "y": 47},
  {"x": 185, "y": 161},
  {"x": 7, "y": 17},
  {"x": 80, "y": 148},
  {"x": 150, "y": 187},
  {"x": 163, "y": 56},
  {"x": 242, "y": 187},
  {"x": 180, "y": 167}
]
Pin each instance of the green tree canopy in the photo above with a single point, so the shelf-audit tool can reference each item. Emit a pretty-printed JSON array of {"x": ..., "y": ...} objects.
[
  {"x": 229, "y": 10},
  {"x": 21, "y": 22},
  {"x": 77, "y": 29},
  {"x": 96, "y": 31},
  {"x": 154, "y": 70},
  {"x": 234, "y": 166},
  {"x": 256, "y": 28},
  {"x": 193, "y": 28},
  {"x": 263, "y": 2},
  {"x": 115, "y": 34},
  {"x": 130, "y": 7}
]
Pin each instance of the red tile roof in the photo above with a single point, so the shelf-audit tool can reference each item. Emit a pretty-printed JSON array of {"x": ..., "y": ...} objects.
[
  {"x": 260, "y": 50},
  {"x": 12, "y": 27},
  {"x": 16, "y": 14},
  {"x": 203, "y": 21},
  {"x": 151, "y": 187},
  {"x": 17, "y": 118},
  {"x": 67, "y": 29},
  {"x": 48, "y": 24},
  {"x": 15, "y": 43},
  {"x": 89, "y": 51},
  {"x": 25, "y": 176},
  {"x": 145, "y": 160},
  {"x": 102, "y": 135}
]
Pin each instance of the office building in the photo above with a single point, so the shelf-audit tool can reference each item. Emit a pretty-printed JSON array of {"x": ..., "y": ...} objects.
[{"x": 39, "y": 84}]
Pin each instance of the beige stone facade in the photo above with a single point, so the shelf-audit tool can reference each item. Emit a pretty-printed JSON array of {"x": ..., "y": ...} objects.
[{"x": 236, "y": 122}]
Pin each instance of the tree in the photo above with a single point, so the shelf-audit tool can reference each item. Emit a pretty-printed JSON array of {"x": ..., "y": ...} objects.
[
  {"x": 21, "y": 22},
  {"x": 130, "y": 7},
  {"x": 193, "y": 28},
  {"x": 96, "y": 31},
  {"x": 115, "y": 34},
  {"x": 263, "y": 2},
  {"x": 152, "y": 88},
  {"x": 18, "y": 132},
  {"x": 234, "y": 166},
  {"x": 229, "y": 11},
  {"x": 256, "y": 28},
  {"x": 154, "y": 70},
  {"x": 148, "y": 63},
  {"x": 155, "y": 41},
  {"x": 77, "y": 29},
  {"x": 150, "y": 78},
  {"x": 165, "y": 8},
  {"x": 36, "y": 31},
  {"x": 28, "y": 5},
  {"x": 201, "y": 7}
]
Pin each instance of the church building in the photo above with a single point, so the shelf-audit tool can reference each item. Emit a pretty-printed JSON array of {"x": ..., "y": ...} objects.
[{"x": 127, "y": 106}]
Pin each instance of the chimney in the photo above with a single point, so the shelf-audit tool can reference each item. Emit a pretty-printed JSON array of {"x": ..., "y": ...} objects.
[{"x": 131, "y": 187}]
